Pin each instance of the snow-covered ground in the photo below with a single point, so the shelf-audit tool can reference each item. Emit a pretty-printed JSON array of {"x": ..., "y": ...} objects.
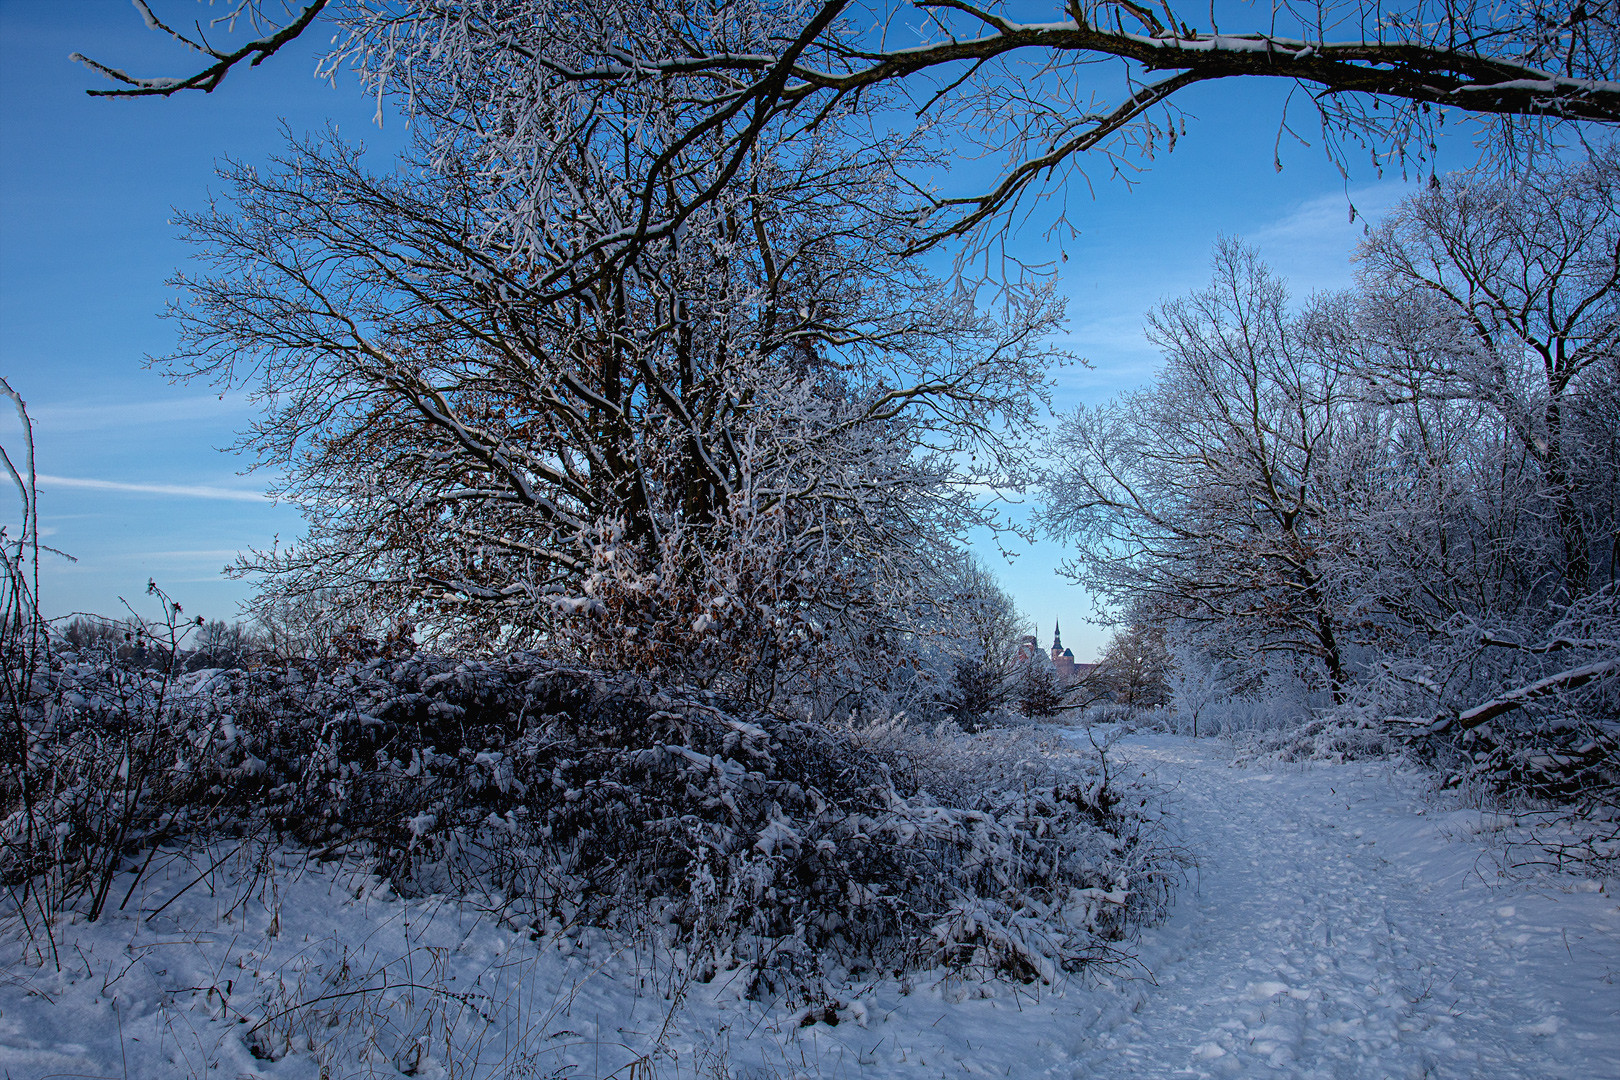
[{"x": 1339, "y": 922}]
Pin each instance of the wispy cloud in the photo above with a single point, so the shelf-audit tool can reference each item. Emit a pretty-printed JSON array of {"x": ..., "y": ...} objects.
[
  {"x": 1121, "y": 329},
  {"x": 202, "y": 556},
  {"x": 184, "y": 491},
  {"x": 1312, "y": 243},
  {"x": 50, "y": 417}
]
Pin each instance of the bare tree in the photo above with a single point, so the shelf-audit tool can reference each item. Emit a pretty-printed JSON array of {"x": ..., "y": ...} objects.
[
  {"x": 1409, "y": 484},
  {"x": 1525, "y": 276},
  {"x": 1386, "y": 480},
  {"x": 1199, "y": 498},
  {"x": 1490, "y": 316},
  {"x": 753, "y": 442},
  {"x": 1136, "y": 665},
  {"x": 1194, "y": 682}
]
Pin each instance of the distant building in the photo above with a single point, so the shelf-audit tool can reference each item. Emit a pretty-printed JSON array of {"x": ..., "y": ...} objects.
[
  {"x": 1063, "y": 659},
  {"x": 1063, "y": 662}
]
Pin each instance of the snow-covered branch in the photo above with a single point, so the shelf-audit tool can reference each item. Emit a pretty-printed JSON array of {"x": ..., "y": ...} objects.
[
  {"x": 252, "y": 53},
  {"x": 700, "y": 90},
  {"x": 1519, "y": 697}
]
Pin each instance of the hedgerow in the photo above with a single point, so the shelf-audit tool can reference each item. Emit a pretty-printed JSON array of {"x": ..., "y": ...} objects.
[{"x": 568, "y": 798}]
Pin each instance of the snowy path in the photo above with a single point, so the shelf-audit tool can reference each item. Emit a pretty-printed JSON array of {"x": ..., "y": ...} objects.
[{"x": 1333, "y": 928}]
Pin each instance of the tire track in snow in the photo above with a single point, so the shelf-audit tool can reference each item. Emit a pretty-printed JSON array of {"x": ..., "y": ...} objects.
[{"x": 1312, "y": 940}]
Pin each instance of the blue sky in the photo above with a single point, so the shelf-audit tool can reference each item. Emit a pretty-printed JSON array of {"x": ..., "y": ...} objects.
[{"x": 136, "y": 485}]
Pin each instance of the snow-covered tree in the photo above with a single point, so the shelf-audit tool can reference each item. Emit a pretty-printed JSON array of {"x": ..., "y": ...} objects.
[
  {"x": 1135, "y": 666},
  {"x": 735, "y": 456},
  {"x": 1037, "y": 690},
  {"x": 976, "y": 632},
  {"x": 1491, "y": 311},
  {"x": 1199, "y": 498},
  {"x": 1408, "y": 486},
  {"x": 1523, "y": 276},
  {"x": 1194, "y": 683}
]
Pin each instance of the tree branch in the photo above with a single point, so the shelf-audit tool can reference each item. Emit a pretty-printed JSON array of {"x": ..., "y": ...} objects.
[
  {"x": 1519, "y": 698},
  {"x": 208, "y": 79}
]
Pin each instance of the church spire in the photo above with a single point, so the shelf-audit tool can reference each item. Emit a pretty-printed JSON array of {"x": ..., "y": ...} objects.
[{"x": 1062, "y": 659}]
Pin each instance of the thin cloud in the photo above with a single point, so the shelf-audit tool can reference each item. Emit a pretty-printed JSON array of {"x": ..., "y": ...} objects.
[
  {"x": 1119, "y": 331},
  {"x": 184, "y": 491},
  {"x": 208, "y": 555},
  {"x": 1311, "y": 245},
  {"x": 103, "y": 416}
]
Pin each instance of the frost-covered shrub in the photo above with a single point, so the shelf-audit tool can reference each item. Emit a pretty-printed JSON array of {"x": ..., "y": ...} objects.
[
  {"x": 1036, "y": 780},
  {"x": 1111, "y": 712},
  {"x": 1216, "y": 688},
  {"x": 1234, "y": 715},
  {"x": 103, "y": 758},
  {"x": 1553, "y": 762},
  {"x": 1343, "y": 735},
  {"x": 575, "y": 798},
  {"x": 1526, "y": 714}
]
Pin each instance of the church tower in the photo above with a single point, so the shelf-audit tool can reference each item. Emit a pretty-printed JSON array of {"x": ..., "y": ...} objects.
[{"x": 1062, "y": 659}]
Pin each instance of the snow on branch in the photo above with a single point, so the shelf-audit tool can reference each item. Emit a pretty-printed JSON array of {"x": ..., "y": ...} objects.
[
  {"x": 1572, "y": 679},
  {"x": 254, "y": 53},
  {"x": 1555, "y": 645},
  {"x": 507, "y": 87}
]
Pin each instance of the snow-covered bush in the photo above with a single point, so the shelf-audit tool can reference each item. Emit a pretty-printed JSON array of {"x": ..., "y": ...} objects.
[
  {"x": 1547, "y": 744},
  {"x": 574, "y": 798},
  {"x": 106, "y": 758},
  {"x": 1231, "y": 715},
  {"x": 1214, "y": 694},
  {"x": 1342, "y": 735}
]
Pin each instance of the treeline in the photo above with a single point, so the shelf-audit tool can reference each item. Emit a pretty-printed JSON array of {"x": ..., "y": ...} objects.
[{"x": 212, "y": 643}]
